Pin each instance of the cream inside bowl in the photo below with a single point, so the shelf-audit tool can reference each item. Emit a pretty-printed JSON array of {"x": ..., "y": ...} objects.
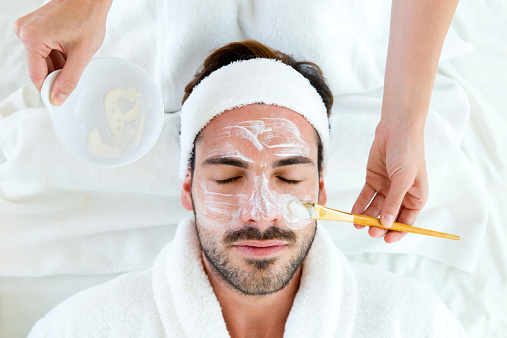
[{"x": 112, "y": 118}]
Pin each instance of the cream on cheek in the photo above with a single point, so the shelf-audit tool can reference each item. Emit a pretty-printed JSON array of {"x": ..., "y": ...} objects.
[
  {"x": 267, "y": 204},
  {"x": 214, "y": 209},
  {"x": 258, "y": 201}
]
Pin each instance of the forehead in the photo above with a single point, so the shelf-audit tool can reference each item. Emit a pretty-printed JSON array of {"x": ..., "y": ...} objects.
[{"x": 267, "y": 122}]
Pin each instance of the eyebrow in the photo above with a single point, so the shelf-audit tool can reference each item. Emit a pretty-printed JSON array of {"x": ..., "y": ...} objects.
[
  {"x": 225, "y": 161},
  {"x": 242, "y": 164},
  {"x": 292, "y": 161}
]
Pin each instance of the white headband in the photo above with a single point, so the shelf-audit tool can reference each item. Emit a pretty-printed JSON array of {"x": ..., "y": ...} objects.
[{"x": 247, "y": 82}]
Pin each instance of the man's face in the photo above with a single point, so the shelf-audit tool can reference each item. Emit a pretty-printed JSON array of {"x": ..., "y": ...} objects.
[{"x": 249, "y": 163}]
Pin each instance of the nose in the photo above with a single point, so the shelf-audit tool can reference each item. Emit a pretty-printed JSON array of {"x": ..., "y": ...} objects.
[{"x": 262, "y": 208}]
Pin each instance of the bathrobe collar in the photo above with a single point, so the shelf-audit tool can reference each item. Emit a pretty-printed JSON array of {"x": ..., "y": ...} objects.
[{"x": 325, "y": 303}]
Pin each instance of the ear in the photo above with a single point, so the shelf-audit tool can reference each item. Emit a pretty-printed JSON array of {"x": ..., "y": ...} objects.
[
  {"x": 186, "y": 192},
  {"x": 322, "y": 191}
]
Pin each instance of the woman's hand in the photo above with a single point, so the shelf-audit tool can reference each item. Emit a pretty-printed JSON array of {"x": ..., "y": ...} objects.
[
  {"x": 62, "y": 35},
  {"x": 396, "y": 185}
]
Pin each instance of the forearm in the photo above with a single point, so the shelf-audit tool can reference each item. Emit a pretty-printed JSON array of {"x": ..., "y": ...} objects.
[{"x": 418, "y": 30}]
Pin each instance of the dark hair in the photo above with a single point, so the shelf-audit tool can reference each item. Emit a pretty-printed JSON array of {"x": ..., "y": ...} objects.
[{"x": 251, "y": 49}]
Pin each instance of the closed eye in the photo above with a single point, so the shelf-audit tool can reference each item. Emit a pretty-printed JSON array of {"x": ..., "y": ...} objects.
[
  {"x": 229, "y": 180},
  {"x": 288, "y": 181}
]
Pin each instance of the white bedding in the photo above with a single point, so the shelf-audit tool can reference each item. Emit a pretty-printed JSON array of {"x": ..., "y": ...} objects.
[
  {"x": 99, "y": 208},
  {"x": 460, "y": 183}
]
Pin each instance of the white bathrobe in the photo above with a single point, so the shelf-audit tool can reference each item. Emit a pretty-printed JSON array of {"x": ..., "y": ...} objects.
[{"x": 175, "y": 299}]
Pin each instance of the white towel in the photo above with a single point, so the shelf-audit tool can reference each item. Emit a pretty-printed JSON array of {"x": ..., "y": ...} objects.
[
  {"x": 175, "y": 299},
  {"x": 457, "y": 202},
  {"x": 347, "y": 39},
  {"x": 246, "y": 82},
  {"x": 59, "y": 216}
]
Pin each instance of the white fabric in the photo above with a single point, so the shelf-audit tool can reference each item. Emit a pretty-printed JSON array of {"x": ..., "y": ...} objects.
[
  {"x": 457, "y": 201},
  {"x": 58, "y": 215},
  {"x": 171, "y": 38},
  {"x": 52, "y": 204},
  {"x": 105, "y": 212},
  {"x": 246, "y": 82},
  {"x": 348, "y": 42},
  {"x": 175, "y": 299},
  {"x": 477, "y": 299}
]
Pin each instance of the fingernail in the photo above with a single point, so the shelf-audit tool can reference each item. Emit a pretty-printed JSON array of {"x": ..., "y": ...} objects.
[
  {"x": 387, "y": 221},
  {"x": 58, "y": 99}
]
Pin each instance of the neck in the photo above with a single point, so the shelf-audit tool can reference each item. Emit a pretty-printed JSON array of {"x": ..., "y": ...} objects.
[{"x": 253, "y": 316}]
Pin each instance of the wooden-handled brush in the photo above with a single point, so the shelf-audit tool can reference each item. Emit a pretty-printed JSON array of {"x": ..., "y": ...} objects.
[{"x": 305, "y": 210}]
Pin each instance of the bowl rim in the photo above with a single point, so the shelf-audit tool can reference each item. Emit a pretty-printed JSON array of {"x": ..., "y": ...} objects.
[{"x": 157, "y": 130}]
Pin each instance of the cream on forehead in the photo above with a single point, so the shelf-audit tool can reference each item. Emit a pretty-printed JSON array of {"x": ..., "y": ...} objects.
[
  {"x": 280, "y": 135},
  {"x": 228, "y": 150},
  {"x": 248, "y": 82}
]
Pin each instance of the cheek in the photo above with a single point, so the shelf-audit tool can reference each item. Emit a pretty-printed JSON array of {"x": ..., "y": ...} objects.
[
  {"x": 268, "y": 202},
  {"x": 306, "y": 192},
  {"x": 216, "y": 209},
  {"x": 291, "y": 221}
]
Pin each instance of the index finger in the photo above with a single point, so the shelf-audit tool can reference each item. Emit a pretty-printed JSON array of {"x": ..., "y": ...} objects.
[{"x": 364, "y": 198}]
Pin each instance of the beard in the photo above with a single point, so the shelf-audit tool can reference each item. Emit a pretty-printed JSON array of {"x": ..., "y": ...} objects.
[{"x": 262, "y": 276}]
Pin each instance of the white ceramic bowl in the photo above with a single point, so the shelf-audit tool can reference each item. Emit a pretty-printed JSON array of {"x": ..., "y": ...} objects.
[{"x": 84, "y": 109}]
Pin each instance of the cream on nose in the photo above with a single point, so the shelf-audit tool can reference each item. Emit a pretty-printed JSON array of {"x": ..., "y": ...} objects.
[{"x": 262, "y": 207}]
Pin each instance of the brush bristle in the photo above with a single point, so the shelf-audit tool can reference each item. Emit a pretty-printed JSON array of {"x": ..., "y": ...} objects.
[{"x": 300, "y": 209}]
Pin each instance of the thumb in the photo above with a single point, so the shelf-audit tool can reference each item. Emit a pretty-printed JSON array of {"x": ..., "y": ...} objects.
[
  {"x": 68, "y": 78},
  {"x": 392, "y": 203}
]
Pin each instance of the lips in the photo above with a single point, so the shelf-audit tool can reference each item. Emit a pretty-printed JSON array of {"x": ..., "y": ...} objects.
[{"x": 260, "y": 248}]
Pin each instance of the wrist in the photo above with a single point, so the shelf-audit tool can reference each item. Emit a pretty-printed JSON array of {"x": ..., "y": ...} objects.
[
  {"x": 409, "y": 124},
  {"x": 405, "y": 108},
  {"x": 407, "y": 95},
  {"x": 412, "y": 122}
]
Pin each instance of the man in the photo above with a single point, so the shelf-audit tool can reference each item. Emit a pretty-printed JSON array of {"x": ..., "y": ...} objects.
[{"x": 254, "y": 136}]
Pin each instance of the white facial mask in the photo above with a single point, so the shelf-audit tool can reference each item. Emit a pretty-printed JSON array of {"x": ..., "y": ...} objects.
[
  {"x": 260, "y": 202},
  {"x": 260, "y": 134},
  {"x": 224, "y": 210}
]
